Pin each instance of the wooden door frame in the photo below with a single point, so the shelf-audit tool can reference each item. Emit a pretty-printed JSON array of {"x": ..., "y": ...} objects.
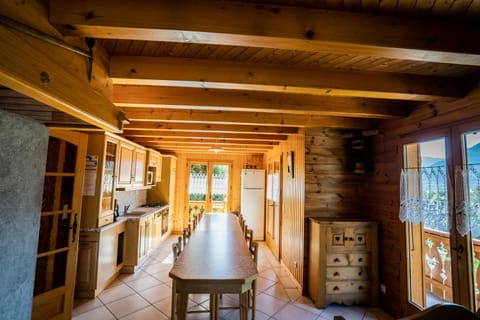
[
  {"x": 460, "y": 269},
  {"x": 210, "y": 163},
  {"x": 277, "y": 252}
]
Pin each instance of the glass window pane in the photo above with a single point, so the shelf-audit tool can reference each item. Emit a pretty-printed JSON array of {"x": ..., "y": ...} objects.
[
  {"x": 472, "y": 154},
  {"x": 429, "y": 264}
]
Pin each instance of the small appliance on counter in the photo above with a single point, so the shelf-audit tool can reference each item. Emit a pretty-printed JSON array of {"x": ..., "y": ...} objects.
[{"x": 116, "y": 213}]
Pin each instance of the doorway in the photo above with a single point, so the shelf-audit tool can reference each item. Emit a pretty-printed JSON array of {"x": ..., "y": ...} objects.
[
  {"x": 444, "y": 247},
  {"x": 274, "y": 209},
  {"x": 209, "y": 186},
  {"x": 59, "y": 226}
]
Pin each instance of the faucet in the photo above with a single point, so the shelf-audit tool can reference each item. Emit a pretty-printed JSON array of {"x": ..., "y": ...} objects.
[{"x": 125, "y": 209}]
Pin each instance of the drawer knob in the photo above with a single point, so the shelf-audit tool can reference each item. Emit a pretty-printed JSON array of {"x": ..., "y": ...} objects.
[
  {"x": 336, "y": 288},
  {"x": 360, "y": 259},
  {"x": 360, "y": 273},
  {"x": 360, "y": 287},
  {"x": 336, "y": 274},
  {"x": 336, "y": 260}
]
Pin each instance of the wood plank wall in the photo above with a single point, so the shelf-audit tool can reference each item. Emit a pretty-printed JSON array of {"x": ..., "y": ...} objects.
[
  {"x": 293, "y": 204},
  {"x": 239, "y": 162},
  {"x": 381, "y": 192},
  {"x": 331, "y": 187}
]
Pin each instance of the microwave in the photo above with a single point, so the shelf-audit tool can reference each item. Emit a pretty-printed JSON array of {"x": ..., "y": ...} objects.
[{"x": 150, "y": 177}]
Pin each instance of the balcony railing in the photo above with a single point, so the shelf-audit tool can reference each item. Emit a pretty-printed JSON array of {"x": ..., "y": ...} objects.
[{"x": 438, "y": 265}]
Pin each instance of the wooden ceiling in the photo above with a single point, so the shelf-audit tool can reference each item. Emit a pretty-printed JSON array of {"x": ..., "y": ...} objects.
[{"x": 192, "y": 75}]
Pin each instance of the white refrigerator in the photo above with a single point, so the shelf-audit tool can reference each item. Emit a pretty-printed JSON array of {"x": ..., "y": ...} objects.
[{"x": 253, "y": 201}]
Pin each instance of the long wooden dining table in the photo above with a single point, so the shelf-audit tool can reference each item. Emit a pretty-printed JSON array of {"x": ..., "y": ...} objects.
[{"x": 215, "y": 261}]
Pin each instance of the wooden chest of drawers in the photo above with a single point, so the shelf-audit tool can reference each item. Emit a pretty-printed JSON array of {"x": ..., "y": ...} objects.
[{"x": 343, "y": 262}]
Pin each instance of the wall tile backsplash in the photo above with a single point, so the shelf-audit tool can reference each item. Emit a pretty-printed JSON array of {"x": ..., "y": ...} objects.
[{"x": 130, "y": 198}]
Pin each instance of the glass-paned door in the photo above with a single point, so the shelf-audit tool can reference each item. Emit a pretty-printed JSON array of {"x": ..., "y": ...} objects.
[
  {"x": 208, "y": 188},
  {"x": 59, "y": 226},
  {"x": 471, "y": 166},
  {"x": 430, "y": 268}
]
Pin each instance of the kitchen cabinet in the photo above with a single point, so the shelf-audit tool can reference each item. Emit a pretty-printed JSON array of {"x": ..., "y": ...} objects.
[
  {"x": 100, "y": 182},
  {"x": 132, "y": 166},
  {"x": 101, "y": 254},
  {"x": 140, "y": 165},
  {"x": 164, "y": 192},
  {"x": 144, "y": 234},
  {"x": 343, "y": 262},
  {"x": 125, "y": 167},
  {"x": 155, "y": 165}
]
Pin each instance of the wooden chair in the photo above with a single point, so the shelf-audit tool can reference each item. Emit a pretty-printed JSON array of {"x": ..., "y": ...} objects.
[
  {"x": 249, "y": 238},
  {"x": 253, "y": 291},
  {"x": 186, "y": 236},
  {"x": 179, "y": 245},
  {"x": 175, "y": 251}
]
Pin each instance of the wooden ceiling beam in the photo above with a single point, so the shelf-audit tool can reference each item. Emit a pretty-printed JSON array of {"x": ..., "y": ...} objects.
[
  {"x": 251, "y": 101},
  {"x": 218, "y": 142},
  {"x": 142, "y": 137},
  {"x": 245, "y": 118},
  {"x": 158, "y": 126},
  {"x": 207, "y": 146},
  {"x": 37, "y": 69},
  {"x": 203, "y": 73},
  {"x": 271, "y": 26}
]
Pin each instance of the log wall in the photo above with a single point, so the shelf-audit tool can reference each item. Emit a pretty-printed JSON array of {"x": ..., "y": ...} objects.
[{"x": 331, "y": 187}]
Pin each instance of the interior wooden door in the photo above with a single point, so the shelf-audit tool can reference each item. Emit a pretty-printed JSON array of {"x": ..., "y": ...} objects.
[
  {"x": 274, "y": 194},
  {"x": 59, "y": 225}
]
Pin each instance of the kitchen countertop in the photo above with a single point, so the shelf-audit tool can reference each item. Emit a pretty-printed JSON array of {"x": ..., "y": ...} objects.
[
  {"x": 140, "y": 212},
  {"x": 135, "y": 214}
]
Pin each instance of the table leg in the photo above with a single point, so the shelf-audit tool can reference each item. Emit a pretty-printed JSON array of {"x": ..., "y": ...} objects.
[
  {"x": 253, "y": 292},
  {"x": 182, "y": 309},
  {"x": 213, "y": 306},
  {"x": 244, "y": 306},
  {"x": 174, "y": 300}
]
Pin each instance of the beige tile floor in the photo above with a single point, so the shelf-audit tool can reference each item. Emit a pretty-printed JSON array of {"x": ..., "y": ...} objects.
[{"x": 146, "y": 295}]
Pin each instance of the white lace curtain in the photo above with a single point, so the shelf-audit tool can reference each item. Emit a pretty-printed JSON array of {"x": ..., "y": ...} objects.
[
  {"x": 413, "y": 207},
  {"x": 410, "y": 196},
  {"x": 464, "y": 208}
]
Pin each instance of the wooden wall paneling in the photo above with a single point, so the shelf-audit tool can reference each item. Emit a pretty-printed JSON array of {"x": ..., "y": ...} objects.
[{"x": 292, "y": 246}]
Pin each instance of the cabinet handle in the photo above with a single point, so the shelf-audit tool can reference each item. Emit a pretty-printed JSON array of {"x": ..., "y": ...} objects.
[
  {"x": 336, "y": 260},
  {"x": 360, "y": 287},
  {"x": 336, "y": 274},
  {"x": 336, "y": 288},
  {"x": 360, "y": 273},
  {"x": 360, "y": 259}
]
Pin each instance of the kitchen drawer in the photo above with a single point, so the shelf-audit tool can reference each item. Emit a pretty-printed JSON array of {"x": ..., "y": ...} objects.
[
  {"x": 359, "y": 259},
  {"x": 341, "y": 287},
  {"x": 337, "y": 259},
  {"x": 348, "y": 298},
  {"x": 347, "y": 273},
  {"x": 104, "y": 220}
]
